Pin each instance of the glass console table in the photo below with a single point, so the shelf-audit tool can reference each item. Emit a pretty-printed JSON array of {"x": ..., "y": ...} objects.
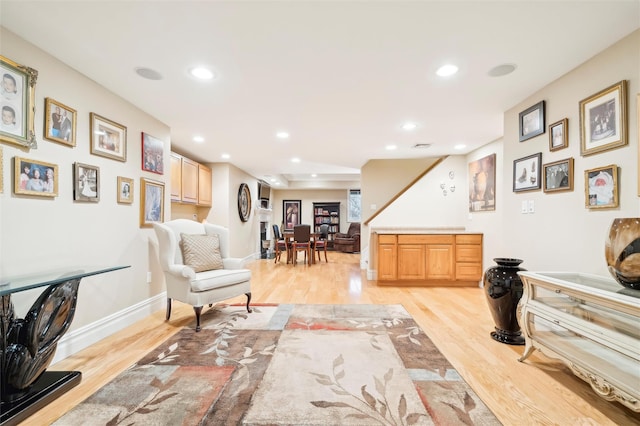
[
  {"x": 28, "y": 345},
  {"x": 591, "y": 323}
]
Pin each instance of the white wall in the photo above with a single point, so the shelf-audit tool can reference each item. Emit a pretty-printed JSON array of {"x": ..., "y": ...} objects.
[{"x": 38, "y": 234}]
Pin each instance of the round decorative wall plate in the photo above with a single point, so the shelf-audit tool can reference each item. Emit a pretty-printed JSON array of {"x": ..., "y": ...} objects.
[{"x": 244, "y": 202}]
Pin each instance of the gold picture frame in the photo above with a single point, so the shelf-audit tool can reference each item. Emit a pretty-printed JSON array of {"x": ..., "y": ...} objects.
[
  {"x": 151, "y": 202},
  {"x": 60, "y": 122},
  {"x": 108, "y": 138},
  {"x": 603, "y": 120},
  {"x": 125, "y": 190},
  {"x": 559, "y": 135},
  {"x": 17, "y": 102},
  {"x": 34, "y": 178},
  {"x": 601, "y": 187},
  {"x": 558, "y": 176}
]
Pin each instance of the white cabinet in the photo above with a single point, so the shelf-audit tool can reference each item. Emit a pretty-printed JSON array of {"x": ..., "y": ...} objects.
[{"x": 589, "y": 322}]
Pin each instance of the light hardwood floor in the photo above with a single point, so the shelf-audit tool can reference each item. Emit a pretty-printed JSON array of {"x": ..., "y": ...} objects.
[{"x": 539, "y": 391}]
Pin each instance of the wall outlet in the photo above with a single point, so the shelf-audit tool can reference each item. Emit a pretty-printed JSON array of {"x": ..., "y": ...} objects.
[{"x": 149, "y": 277}]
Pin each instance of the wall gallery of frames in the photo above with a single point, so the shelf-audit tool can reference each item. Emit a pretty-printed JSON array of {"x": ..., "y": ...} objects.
[
  {"x": 108, "y": 139},
  {"x": 603, "y": 126}
]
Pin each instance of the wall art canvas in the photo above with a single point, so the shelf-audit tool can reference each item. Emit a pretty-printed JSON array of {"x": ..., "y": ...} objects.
[{"x": 482, "y": 184}]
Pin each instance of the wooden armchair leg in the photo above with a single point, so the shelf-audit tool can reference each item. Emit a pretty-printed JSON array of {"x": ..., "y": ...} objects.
[
  {"x": 248, "y": 301},
  {"x": 198, "y": 311},
  {"x": 168, "y": 308}
]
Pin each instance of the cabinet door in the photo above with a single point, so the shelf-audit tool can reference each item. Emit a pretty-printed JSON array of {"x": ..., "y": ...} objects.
[
  {"x": 387, "y": 262},
  {"x": 189, "y": 181},
  {"x": 410, "y": 262},
  {"x": 440, "y": 262},
  {"x": 176, "y": 177},
  {"x": 205, "y": 197}
]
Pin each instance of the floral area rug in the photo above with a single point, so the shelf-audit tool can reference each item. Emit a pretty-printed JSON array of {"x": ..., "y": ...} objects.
[{"x": 290, "y": 365}]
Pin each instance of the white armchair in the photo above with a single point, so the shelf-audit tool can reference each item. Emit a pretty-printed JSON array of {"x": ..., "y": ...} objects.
[{"x": 199, "y": 288}]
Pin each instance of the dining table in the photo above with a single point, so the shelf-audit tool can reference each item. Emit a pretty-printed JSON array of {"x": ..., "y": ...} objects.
[{"x": 288, "y": 239}]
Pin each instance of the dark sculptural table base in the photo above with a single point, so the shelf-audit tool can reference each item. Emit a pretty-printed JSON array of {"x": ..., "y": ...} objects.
[
  {"x": 49, "y": 386},
  {"x": 27, "y": 346}
]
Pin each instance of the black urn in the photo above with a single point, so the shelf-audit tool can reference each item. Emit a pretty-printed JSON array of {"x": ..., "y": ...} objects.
[{"x": 503, "y": 288}]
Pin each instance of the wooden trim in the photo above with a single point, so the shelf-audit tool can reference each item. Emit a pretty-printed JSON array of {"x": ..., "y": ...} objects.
[{"x": 395, "y": 197}]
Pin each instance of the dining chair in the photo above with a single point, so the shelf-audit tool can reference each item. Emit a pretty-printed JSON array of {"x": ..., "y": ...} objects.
[
  {"x": 280, "y": 244},
  {"x": 301, "y": 242},
  {"x": 320, "y": 243}
]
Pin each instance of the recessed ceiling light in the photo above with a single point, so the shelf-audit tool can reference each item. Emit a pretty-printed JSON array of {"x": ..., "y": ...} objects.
[
  {"x": 202, "y": 73},
  {"x": 390, "y": 147},
  {"x": 225, "y": 156},
  {"x": 460, "y": 146},
  {"x": 295, "y": 160},
  {"x": 314, "y": 175},
  {"x": 447, "y": 70},
  {"x": 198, "y": 139},
  {"x": 501, "y": 70},
  {"x": 148, "y": 73},
  {"x": 282, "y": 135},
  {"x": 273, "y": 179},
  {"x": 409, "y": 126}
]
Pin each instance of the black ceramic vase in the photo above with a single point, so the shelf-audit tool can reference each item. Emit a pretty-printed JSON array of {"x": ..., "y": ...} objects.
[{"x": 503, "y": 288}]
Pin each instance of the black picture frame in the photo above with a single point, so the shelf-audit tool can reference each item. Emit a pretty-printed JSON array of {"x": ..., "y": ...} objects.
[
  {"x": 531, "y": 122},
  {"x": 526, "y": 173}
]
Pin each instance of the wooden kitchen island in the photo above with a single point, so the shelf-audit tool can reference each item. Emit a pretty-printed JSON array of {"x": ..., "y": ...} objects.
[{"x": 428, "y": 258}]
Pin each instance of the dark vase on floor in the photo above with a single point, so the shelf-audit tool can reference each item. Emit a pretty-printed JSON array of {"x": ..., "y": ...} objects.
[{"x": 503, "y": 288}]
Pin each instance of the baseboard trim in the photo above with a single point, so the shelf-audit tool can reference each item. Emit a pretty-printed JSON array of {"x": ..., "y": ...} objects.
[{"x": 82, "y": 338}]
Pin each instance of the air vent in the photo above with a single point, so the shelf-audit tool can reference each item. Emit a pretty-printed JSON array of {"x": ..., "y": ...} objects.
[
  {"x": 148, "y": 73},
  {"x": 422, "y": 145}
]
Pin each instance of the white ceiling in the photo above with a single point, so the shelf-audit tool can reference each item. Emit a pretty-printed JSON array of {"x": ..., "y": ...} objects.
[{"x": 340, "y": 77}]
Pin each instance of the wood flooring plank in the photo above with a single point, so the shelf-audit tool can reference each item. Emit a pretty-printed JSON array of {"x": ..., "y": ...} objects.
[{"x": 540, "y": 391}]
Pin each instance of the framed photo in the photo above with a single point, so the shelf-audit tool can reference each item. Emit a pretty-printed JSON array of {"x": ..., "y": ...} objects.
[
  {"x": 17, "y": 101},
  {"x": 482, "y": 184},
  {"x": 59, "y": 123},
  {"x": 86, "y": 183},
  {"x": 558, "y": 176},
  {"x": 151, "y": 202},
  {"x": 108, "y": 138},
  {"x": 603, "y": 120},
  {"x": 152, "y": 154},
  {"x": 601, "y": 187},
  {"x": 125, "y": 190},
  {"x": 291, "y": 213},
  {"x": 531, "y": 122},
  {"x": 526, "y": 173},
  {"x": 33, "y": 177},
  {"x": 559, "y": 135}
]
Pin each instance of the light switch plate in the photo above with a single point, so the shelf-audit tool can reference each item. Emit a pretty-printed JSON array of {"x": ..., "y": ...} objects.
[
  {"x": 532, "y": 207},
  {"x": 525, "y": 207}
]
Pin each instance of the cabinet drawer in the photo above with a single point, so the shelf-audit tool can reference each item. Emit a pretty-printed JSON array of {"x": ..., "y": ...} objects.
[
  {"x": 469, "y": 239},
  {"x": 425, "y": 239},
  {"x": 468, "y": 253},
  {"x": 386, "y": 239},
  {"x": 469, "y": 271}
]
